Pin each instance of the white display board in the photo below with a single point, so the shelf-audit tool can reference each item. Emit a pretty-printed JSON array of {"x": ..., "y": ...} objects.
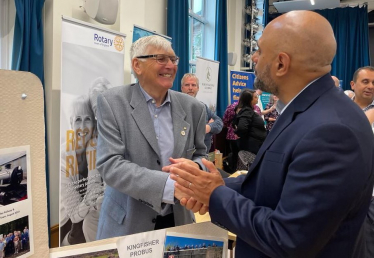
[{"x": 207, "y": 72}]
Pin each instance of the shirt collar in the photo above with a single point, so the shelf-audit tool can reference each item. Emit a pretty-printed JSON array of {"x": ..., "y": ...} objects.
[
  {"x": 281, "y": 107},
  {"x": 149, "y": 98},
  {"x": 365, "y": 108}
]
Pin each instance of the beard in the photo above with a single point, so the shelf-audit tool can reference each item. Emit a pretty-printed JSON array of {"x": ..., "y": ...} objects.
[{"x": 264, "y": 82}]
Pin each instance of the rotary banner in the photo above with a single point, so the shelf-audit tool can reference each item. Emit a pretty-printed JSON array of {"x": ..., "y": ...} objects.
[{"x": 92, "y": 61}]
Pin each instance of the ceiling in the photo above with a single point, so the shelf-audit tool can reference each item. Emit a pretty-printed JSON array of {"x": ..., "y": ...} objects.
[
  {"x": 286, "y": 6},
  {"x": 355, "y": 2},
  {"x": 289, "y": 5}
]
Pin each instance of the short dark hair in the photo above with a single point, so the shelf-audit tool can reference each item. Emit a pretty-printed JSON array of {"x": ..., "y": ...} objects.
[{"x": 355, "y": 75}]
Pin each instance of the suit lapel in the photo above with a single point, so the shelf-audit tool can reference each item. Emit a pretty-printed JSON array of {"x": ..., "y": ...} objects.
[
  {"x": 142, "y": 118},
  {"x": 298, "y": 105},
  {"x": 180, "y": 126}
]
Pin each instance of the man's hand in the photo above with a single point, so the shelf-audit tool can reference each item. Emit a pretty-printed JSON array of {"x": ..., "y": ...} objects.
[
  {"x": 195, "y": 182},
  {"x": 178, "y": 161},
  {"x": 194, "y": 206}
]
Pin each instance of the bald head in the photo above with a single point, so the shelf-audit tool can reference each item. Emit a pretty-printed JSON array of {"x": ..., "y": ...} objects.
[
  {"x": 294, "y": 49},
  {"x": 306, "y": 37}
]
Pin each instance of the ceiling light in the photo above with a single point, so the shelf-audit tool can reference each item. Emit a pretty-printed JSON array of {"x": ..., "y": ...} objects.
[{"x": 312, "y": 2}]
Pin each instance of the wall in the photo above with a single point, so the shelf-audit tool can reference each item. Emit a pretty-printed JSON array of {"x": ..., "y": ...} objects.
[{"x": 147, "y": 14}]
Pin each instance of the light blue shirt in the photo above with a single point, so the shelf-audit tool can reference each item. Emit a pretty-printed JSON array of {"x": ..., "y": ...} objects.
[{"x": 163, "y": 125}]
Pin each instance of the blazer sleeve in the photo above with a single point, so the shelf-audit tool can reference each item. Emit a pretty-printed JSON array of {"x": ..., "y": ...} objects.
[
  {"x": 141, "y": 183},
  {"x": 200, "y": 147},
  {"x": 216, "y": 126},
  {"x": 320, "y": 188}
]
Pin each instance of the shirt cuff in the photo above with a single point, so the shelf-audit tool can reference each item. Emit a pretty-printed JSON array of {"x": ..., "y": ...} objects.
[{"x": 168, "y": 196}]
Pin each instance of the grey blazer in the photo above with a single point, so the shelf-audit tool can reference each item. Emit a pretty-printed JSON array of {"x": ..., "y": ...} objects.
[{"x": 128, "y": 158}]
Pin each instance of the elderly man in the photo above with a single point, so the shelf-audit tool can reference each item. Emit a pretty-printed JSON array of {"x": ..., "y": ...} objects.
[
  {"x": 214, "y": 124},
  {"x": 290, "y": 204},
  {"x": 140, "y": 127}
]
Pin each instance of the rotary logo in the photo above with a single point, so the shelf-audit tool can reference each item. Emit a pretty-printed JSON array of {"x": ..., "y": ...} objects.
[{"x": 118, "y": 43}]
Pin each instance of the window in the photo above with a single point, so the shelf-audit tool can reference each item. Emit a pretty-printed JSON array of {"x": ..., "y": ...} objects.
[
  {"x": 7, "y": 16},
  {"x": 201, "y": 30}
]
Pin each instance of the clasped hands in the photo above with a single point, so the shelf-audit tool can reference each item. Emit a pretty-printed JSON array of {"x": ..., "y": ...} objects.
[{"x": 193, "y": 187}]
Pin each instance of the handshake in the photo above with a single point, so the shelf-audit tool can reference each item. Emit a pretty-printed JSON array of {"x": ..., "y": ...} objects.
[{"x": 193, "y": 187}]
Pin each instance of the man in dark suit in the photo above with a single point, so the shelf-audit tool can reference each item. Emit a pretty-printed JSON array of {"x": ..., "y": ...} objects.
[{"x": 308, "y": 191}]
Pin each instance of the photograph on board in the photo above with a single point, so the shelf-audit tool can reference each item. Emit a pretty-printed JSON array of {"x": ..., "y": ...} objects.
[
  {"x": 14, "y": 238},
  {"x": 13, "y": 177}
]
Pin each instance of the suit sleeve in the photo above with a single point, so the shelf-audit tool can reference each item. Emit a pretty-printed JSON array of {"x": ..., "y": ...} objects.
[
  {"x": 234, "y": 183},
  {"x": 140, "y": 183},
  {"x": 320, "y": 188},
  {"x": 216, "y": 126},
  {"x": 199, "y": 138}
]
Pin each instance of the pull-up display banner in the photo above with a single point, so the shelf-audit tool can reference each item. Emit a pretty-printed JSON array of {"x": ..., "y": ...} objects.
[{"x": 92, "y": 61}]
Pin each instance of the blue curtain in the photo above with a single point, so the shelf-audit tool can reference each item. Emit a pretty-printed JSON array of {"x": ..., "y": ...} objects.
[
  {"x": 266, "y": 13},
  {"x": 177, "y": 29},
  {"x": 221, "y": 56},
  {"x": 28, "y": 49},
  {"x": 28, "y": 38},
  {"x": 352, "y": 35}
]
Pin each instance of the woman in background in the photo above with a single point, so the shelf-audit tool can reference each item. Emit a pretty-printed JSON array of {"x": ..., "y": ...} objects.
[
  {"x": 249, "y": 125},
  {"x": 272, "y": 116}
]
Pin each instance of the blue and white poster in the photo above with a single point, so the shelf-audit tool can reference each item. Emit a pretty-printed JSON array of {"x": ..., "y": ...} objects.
[{"x": 238, "y": 81}]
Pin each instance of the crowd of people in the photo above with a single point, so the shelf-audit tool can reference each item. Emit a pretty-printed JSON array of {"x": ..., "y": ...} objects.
[{"x": 12, "y": 244}]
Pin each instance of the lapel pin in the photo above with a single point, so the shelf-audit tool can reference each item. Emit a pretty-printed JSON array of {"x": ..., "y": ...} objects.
[
  {"x": 183, "y": 133},
  {"x": 185, "y": 128}
]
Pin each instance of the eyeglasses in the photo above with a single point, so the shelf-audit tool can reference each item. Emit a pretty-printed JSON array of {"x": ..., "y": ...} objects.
[{"x": 163, "y": 59}]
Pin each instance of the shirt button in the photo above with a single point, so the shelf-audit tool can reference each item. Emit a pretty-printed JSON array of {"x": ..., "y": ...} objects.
[
  {"x": 156, "y": 116},
  {"x": 153, "y": 101},
  {"x": 154, "y": 220},
  {"x": 157, "y": 137}
]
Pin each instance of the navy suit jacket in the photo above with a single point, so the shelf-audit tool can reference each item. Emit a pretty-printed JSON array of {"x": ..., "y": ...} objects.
[{"x": 309, "y": 188}]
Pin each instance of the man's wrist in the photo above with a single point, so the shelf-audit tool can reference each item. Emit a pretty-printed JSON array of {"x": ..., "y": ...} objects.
[{"x": 200, "y": 167}]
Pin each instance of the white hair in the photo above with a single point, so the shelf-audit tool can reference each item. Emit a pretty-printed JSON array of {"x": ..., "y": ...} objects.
[
  {"x": 190, "y": 75},
  {"x": 140, "y": 47},
  {"x": 349, "y": 93}
]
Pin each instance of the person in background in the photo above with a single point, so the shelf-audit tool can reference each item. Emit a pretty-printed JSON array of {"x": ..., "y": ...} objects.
[
  {"x": 248, "y": 124},
  {"x": 363, "y": 86},
  {"x": 259, "y": 108},
  {"x": 214, "y": 124},
  {"x": 336, "y": 81},
  {"x": 2, "y": 246},
  {"x": 140, "y": 127},
  {"x": 231, "y": 137},
  {"x": 289, "y": 204},
  {"x": 271, "y": 117},
  {"x": 349, "y": 93}
]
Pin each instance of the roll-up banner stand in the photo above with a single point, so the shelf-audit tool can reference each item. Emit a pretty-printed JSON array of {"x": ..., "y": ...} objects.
[
  {"x": 207, "y": 72},
  {"x": 92, "y": 61}
]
